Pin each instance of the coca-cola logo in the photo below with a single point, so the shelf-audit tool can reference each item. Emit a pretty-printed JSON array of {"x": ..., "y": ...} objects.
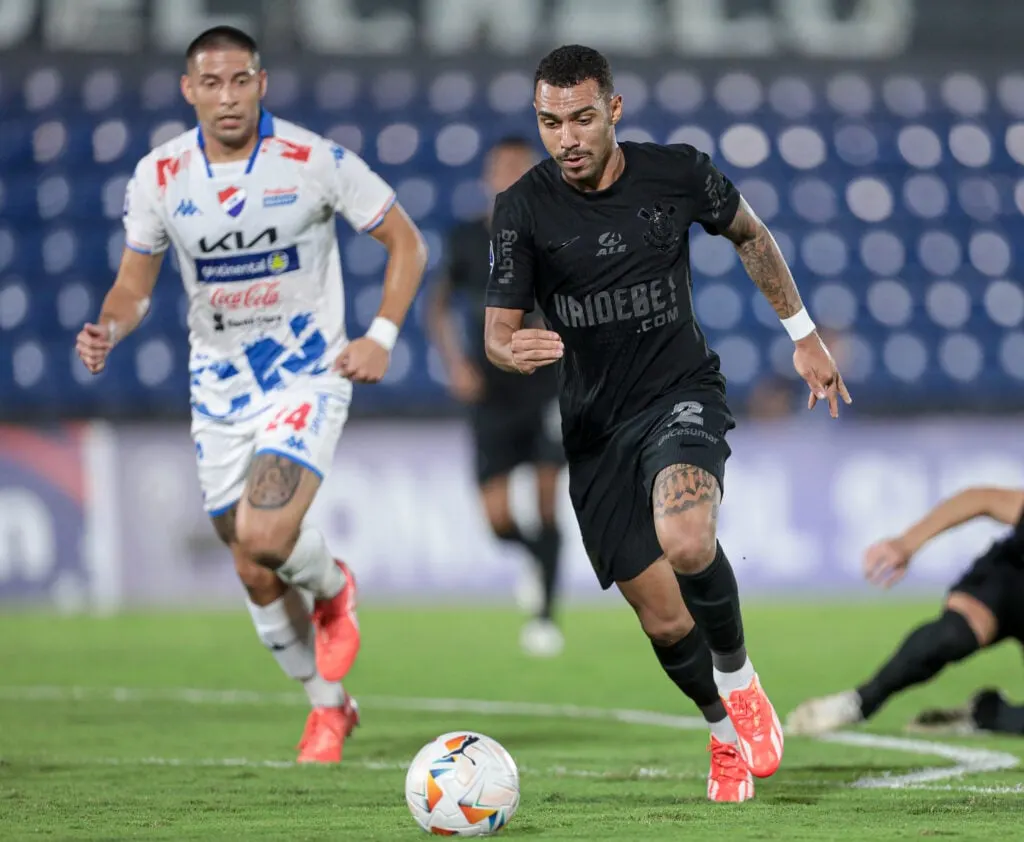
[{"x": 254, "y": 297}]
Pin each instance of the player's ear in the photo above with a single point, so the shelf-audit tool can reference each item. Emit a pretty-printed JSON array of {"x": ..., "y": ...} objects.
[
  {"x": 186, "y": 89},
  {"x": 263, "y": 83},
  {"x": 615, "y": 108}
]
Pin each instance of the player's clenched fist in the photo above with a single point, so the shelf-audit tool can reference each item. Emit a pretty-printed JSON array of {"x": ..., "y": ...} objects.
[
  {"x": 532, "y": 348},
  {"x": 363, "y": 361},
  {"x": 93, "y": 345}
]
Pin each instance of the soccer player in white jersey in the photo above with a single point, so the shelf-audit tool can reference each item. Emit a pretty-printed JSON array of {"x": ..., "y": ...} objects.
[{"x": 248, "y": 202}]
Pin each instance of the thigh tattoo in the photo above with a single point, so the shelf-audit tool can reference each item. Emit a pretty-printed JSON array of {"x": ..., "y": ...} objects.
[
  {"x": 273, "y": 481},
  {"x": 679, "y": 488}
]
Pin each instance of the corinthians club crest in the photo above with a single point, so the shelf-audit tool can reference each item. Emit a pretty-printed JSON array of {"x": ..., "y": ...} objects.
[{"x": 663, "y": 232}]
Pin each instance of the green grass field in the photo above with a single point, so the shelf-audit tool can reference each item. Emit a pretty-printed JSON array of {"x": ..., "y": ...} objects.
[{"x": 160, "y": 764}]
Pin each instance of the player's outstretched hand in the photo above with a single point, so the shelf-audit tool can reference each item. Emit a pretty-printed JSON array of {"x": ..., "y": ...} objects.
[
  {"x": 814, "y": 364},
  {"x": 363, "y": 361},
  {"x": 886, "y": 562},
  {"x": 533, "y": 348},
  {"x": 93, "y": 345}
]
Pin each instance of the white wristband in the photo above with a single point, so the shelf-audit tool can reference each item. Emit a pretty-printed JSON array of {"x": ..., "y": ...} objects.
[
  {"x": 384, "y": 332},
  {"x": 798, "y": 325}
]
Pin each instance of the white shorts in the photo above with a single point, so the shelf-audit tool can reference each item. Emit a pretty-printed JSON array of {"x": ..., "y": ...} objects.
[{"x": 303, "y": 424}]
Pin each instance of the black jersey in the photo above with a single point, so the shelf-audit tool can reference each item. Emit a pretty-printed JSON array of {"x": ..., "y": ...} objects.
[
  {"x": 466, "y": 267},
  {"x": 1012, "y": 545},
  {"x": 611, "y": 272}
]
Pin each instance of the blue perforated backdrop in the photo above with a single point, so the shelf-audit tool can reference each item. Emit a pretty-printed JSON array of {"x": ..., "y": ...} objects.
[{"x": 896, "y": 195}]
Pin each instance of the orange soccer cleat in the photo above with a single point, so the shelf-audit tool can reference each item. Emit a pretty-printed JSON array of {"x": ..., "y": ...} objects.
[
  {"x": 729, "y": 778},
  {"x": 337, "y": 630},
  {"x": 325, "y": 732},
  {"x": 757, "y": 727}
]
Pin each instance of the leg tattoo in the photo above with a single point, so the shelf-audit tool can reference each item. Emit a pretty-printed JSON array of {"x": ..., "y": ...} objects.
[
  {"x": 273, "y": 481},
  {"x": 679, "y": 488}
]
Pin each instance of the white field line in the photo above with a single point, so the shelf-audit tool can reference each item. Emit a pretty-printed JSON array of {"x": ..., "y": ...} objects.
[{"x": 967, "y": 760}]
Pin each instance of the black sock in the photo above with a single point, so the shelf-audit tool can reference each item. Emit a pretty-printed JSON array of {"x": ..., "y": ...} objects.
[
  {"x": 991, "y": 712},
  {"x": 546, "y": 548},
  {"x": 922, "y": 655},
  {"x": 688, "y": 663},
  {"x": 713, "y": 599},
  {"x": 512, "y": 535}
]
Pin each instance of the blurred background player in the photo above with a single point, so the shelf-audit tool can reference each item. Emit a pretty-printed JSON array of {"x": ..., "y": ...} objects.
[
  {"x": 599, "y": 235},
  {"x": 248, "y": 202},
  {"x": 515, "y": 419},
  {"x": 987, "y": 710},
  {"x": 982, "y": 608}
]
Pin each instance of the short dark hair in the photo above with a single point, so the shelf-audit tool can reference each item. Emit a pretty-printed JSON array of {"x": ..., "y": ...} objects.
[
  {"x": 572, "y": 65},
  {"x": 222, "y": 36}
]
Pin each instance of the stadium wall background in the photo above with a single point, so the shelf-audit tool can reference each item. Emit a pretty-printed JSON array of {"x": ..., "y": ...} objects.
[{"x": 103, "y": 516}]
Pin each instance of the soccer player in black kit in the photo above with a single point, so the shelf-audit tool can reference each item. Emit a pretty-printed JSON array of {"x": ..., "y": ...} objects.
[
  {"x": 982, "y": 609},
  {"x": 514, "y": 419},
  {"x": 598, "y": 235}
]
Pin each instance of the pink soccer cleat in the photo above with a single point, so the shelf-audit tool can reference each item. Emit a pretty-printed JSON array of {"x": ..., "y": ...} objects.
[
  {"x": 729, "y": 779},
  {"x": 337, "y": 630},
  {"x": 326, "y": 729},
  {"x": 757, "y": 727}
]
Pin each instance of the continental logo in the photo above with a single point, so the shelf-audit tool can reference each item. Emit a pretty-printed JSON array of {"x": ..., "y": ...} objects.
[{"x": 247, "y": 267}]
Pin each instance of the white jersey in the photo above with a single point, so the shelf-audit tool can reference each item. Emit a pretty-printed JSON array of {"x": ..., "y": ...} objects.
[{"x": 258, "y": 254}]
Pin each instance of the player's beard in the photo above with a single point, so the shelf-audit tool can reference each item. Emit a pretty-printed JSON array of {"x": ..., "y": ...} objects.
[
  {"x": 582, "y": 170},
  {"x": 589, "y": 171}
]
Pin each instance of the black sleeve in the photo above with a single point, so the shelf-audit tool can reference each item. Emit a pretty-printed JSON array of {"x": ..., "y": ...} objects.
[
  {"x": 717, "y": 199},
  {"x": 512, "y": 258},
  {"x": 1018, "y": 529}
]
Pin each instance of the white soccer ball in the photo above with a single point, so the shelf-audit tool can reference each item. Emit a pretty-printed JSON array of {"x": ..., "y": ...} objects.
[{"x": 462, "y": 784}]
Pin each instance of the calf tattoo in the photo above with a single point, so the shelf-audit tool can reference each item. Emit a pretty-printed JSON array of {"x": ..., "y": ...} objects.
[
  {"x": 679, "y": 488},
  {"x": 273, "y": 481}
]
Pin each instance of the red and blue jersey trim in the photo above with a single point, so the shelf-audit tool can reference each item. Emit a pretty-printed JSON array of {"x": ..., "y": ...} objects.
[{"x": 265, "y": 130}]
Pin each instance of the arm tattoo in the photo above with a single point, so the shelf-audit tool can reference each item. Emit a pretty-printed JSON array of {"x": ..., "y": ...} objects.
[
  {"x": 273, "y": 481},
  {"x": 764, "y": 261},
  {"x": 679, "y": 488}
]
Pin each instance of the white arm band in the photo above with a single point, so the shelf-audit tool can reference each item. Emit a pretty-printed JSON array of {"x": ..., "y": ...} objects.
[
  {"x": 384, "y": 332},
  {"x": 798, "y": 325}
]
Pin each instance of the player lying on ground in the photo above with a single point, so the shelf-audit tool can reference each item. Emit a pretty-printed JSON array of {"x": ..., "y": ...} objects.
[
  {"x": 248, "y": 201},
  {"x": 514, "y": 419},
  {"x": 986, "y": 710},
  {"x": 981, "y": 609},
  {"x": 598, "y": 235}
]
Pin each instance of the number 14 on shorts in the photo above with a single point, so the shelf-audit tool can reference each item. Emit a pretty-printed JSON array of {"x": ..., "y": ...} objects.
[{"x": 289, "y": 416}]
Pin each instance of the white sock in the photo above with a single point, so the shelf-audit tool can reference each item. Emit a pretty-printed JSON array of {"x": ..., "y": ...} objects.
[
  {"x": 286, "y": 629},
  {"x": 739, "y": 680},
  {"x": 723, "y": 731},
  {"x": 311, "y": 566},
  {"x": 324, "y": 694}
]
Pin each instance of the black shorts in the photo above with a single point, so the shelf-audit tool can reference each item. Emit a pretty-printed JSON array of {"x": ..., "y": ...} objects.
[
  {"x": 996, "y": 580},
  {"x": 611, "y": 490},
  {"x": 506, "y": 437}
]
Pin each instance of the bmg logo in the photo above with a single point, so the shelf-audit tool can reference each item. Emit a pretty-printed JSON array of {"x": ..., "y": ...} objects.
[{"x": 502, "y": 265}]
